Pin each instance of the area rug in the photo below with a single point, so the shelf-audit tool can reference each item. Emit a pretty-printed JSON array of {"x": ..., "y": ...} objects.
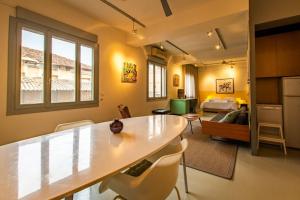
[{"x": 212, "y": 156}]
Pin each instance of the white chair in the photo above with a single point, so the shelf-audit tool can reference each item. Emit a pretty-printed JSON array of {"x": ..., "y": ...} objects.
[
  {"x": 156, "y": 182},
  {"x": 70, "y": 125},
  {"x": 65, "y": 126}
]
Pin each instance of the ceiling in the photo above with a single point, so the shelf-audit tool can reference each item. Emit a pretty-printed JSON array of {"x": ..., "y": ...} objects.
[{"x": 186, "y": 28}]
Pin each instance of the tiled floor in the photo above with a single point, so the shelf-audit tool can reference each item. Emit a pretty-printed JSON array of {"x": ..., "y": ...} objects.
[{"x": 268, "y": 176}]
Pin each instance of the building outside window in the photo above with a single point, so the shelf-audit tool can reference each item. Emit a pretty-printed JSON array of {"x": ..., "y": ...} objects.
[
  {"x": 54, "y": 69},
  {"x": 157, "y": 80}
]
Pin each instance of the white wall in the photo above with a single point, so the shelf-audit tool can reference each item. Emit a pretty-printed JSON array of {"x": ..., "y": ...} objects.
[{"x": 113, "y": 51}]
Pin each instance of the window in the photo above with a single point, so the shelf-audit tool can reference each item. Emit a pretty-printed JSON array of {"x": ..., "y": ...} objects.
[
  {"x": 50, "y": 69},
  {"x": 157, "y": 80}
]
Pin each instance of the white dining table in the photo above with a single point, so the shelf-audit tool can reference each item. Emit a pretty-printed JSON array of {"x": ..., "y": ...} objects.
[{"x": 60, "y": 164}]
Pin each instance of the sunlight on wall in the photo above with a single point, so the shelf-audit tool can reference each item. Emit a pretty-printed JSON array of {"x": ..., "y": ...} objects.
[{"x": 118, "y": 60}]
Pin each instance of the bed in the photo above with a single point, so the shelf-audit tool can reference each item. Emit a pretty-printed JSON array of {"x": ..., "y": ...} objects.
[{"x": 219, "y": 105}]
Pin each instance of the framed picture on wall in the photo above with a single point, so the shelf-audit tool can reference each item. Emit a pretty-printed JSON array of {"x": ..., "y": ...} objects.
[
  {"x": 225, "y": 86},
  {"x": 129, "y": 73},
  {"x": 176, "y": 80}
]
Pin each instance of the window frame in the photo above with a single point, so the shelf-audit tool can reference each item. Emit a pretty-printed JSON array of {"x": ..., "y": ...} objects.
[
  {"x": 162, "y": 64},
  {"x": 14, "y": 106}
]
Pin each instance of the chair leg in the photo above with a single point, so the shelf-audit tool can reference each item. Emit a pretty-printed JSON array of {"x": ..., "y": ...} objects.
[
  {"x": 177, "y": 192},
  {"x": 190, "y": 122},
  {"x": 283, "y": 144},
  {"x": 184, "y": 173},
  {"x": 284, "y": 148}
]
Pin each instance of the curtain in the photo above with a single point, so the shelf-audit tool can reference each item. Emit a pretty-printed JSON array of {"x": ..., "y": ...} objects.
[{"x": 190, "y": 81}]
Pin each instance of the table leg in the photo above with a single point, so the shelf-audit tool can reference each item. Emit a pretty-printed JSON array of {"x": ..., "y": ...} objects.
[{"x": 184, "y": 170}]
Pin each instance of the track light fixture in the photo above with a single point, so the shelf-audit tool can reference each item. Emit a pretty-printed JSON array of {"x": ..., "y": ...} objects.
[
  {"x": 218, "y": 46},
  {"x": 161, "y": 46},
  {"x": 134, "y": 30}
]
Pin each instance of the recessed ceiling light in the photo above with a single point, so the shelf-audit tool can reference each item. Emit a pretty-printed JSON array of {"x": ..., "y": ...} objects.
[
  {"x": 209, "y": 33},
  {"x": 218, "y": 47}
]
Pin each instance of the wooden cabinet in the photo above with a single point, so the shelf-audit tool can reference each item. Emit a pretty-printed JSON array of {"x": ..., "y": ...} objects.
[
  {"x": 278, "y": 55},
  {"x": 288, "y": 53},
  {"x": 268, "y": 90},
  {"x": 265, "y": 48}
]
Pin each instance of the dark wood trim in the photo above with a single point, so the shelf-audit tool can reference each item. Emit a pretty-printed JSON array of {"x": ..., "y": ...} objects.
[
  {"x": 278, "y": 23},
  {"x": 226, "y": 130}
]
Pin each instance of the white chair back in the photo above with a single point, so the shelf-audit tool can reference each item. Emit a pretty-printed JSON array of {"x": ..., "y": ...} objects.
[
  {"x": 161, "y": 177},
  {"x": 70, "y": 125}
]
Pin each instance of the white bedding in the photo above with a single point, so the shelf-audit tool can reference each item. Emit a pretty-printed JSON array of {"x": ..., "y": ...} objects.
[{"x": 220, "y": 105}]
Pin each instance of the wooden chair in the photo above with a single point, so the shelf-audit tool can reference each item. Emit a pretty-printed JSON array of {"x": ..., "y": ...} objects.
[{"x": 124, "y": 111}]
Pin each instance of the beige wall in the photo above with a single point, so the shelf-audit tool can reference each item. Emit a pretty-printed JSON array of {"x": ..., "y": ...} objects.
[
  {"x": 208, "y": 76},
  {"x": 270, "y": 10},
  {"x": 113, "y": 51}
]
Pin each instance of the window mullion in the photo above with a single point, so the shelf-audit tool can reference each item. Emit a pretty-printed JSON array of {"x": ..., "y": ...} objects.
[
  {"x": 161, "y": 83},
  {"x": 154, "y": 83},
  {"x": 77, "y": 72},
  {"x": 47, "y": 70}
]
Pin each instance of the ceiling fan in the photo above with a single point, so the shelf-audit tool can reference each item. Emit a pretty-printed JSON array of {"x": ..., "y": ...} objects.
[{"x": 166, "y": 7}]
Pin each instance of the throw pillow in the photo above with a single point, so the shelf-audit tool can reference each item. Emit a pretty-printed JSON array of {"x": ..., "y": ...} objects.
[{"x": 230, "y": 117}]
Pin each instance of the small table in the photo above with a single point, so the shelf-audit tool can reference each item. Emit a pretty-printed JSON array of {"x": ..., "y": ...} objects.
[{"x": 192, "y": 117}]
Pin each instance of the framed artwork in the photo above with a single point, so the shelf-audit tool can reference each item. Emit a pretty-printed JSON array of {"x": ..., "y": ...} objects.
[
  {"x": 225, "y": 86},
  {"x": 175, "y": 80},
  {"x": 129, "y": 73}
]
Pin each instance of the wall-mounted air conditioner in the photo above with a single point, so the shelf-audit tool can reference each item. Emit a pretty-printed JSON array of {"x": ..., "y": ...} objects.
[{"x": 156, "y": 52}]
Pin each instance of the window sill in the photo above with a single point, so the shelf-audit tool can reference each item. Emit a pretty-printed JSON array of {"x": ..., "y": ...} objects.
[
  {"x": 55, "y": 107},
  {"x": 157, "y": 99}
]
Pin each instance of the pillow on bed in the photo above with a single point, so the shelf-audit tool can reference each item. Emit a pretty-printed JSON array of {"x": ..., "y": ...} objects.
[
  {"x": 230, "y": 99},
  {"x": 218, "y": 100},
  {"x": 230, "y": 117}
]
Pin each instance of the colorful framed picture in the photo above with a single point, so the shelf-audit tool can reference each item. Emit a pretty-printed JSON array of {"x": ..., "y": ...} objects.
[
  {"x": 129, "y": 73},
  {"x": 225, "y": 86}
]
